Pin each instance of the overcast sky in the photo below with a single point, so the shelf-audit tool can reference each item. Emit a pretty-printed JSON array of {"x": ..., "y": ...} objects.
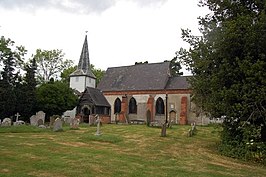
[{"x": 120, "y": 32}]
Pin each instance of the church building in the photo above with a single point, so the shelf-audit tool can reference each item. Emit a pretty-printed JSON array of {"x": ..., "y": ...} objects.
[
  {"x": 91, "y": 100},
  {"x": 138, "y": 93},
  {"x": 147, "y": 92}
]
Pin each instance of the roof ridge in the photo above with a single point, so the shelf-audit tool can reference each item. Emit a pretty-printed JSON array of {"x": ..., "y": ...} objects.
[{"x": 127, "y": 66}]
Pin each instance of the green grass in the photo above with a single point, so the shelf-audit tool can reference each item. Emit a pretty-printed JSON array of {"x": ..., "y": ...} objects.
[{"x": 121, "y": 150}]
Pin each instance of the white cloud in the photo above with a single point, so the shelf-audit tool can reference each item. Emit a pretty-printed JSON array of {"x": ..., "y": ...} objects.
[{"x": 124, "y": 32}]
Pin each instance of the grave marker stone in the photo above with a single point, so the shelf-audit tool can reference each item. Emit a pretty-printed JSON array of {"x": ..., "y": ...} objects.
[
  {"x": 98, "y": 121},
  {"x": 35, "y": 118},
  {"x": 57, "y": 125},
  {"x": 6, "y": 122}
]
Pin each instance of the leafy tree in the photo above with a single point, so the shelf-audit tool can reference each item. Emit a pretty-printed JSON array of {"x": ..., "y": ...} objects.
[
  {"x": 228, "y": 63},
  {"x": 98, "y": 73},
  {"x": 175, "y": 67},
  {"x": 10, "y": 57},
  {"x": 50, "y": 63},
  {"x": 26, "y": 92},
  {"x": 56, "y": 97},
  {"x": 66, "y": 72}
]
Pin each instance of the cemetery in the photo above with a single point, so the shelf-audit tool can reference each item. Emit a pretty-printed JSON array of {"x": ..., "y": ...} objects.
[
  {"x": 116, "y": 150},
  {"x": 63, "y": 119}
]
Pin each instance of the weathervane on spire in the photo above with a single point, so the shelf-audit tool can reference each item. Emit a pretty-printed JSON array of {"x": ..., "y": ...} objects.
[{"x": 86, "y": 32}]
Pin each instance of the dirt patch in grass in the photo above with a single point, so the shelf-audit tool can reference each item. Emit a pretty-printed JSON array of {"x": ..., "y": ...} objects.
[
  {"x": 32, "y": 144},
  {"x": 4, "y": 170},
  {"x": 46, "y": 174},
  {"x": 73, "y": 144}
]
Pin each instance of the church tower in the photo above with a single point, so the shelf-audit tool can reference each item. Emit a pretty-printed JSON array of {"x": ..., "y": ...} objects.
[{"x": 83, "y": 76}]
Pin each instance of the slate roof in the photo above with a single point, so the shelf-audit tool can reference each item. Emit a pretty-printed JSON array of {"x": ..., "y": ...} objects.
[
  {"x": 84, "y": 62},
  {"x": 178, "y": 82},
  {"x": 93, "y": 96},
  {"x": 153, "y": 76}
]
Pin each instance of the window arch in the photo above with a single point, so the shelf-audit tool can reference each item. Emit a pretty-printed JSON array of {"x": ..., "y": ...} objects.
[
  {"x": 132, "y": 106},
  {"x": 159, "y": 106},
  {"x": 117, "y": 106}
]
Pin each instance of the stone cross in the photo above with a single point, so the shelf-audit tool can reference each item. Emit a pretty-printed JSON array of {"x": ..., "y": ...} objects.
[
  {"x": 98, "y": 121},
  {"x": 17, "y": 115}
]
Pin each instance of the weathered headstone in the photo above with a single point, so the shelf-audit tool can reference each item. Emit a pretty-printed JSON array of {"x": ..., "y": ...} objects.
[
  {"x": 57, "y": 125},
  {"x": 98, "y": 121},
  {"x": 6, "y": 122},
  {"x": 74, "y": 123},
  {"x": 17, "y": 115},
  {"x": 35, "y": 118},
  {"x": 91, "y": 120},
  {"x": 69, "y": 115}
]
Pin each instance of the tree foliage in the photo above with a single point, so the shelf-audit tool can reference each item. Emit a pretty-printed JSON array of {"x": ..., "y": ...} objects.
[
  {"x": 175, "y": 67},
  {"x": 56, "y": 97},
  {"x": 11, "y": 58},
  {"x": 228, "y": 63},
  {"x": 50, "y": 64},
  {"x": 66, "y": 73},
  {"x": 98, "y": 73}
]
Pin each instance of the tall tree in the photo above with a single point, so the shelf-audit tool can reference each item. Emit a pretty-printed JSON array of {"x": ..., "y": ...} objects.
[
  {"x": 26, "y": 92},
  {"x": 11, "y": 58},
  {"x": 56, "y": 97},
  {"x": 229, "y": 66},
  {"x": 50, "y": 63}
]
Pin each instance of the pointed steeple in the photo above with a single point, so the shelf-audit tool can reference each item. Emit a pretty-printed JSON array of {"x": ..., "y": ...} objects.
[{"x": 84, "y": 62}]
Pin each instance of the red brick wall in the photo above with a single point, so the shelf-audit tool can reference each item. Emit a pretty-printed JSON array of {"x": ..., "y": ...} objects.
[
  {"x": 105, "y": 119},
  {"x": 183, "y": 112},
  {"x": 124, "y": 105},
  {"x": 150, "y": 106}
]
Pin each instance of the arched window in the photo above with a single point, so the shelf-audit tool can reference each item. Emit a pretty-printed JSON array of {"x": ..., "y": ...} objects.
[
  {"x": 117, "y": 106},
  {"x": 159, "y": 106},
  {"x": 132, "y": 106}
]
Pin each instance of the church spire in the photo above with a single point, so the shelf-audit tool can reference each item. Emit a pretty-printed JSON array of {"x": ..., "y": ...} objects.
[{"x": 84, "y": 62}]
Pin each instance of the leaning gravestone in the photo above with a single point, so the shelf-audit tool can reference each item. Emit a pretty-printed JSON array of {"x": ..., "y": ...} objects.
[
  {"x": 6, "y": 122},
  {"x": 57, "y": 125},
  {"x": 35, "y": 118}
]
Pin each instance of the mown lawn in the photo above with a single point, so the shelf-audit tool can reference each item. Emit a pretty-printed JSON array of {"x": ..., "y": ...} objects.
[{"x": 122, "y": 150}]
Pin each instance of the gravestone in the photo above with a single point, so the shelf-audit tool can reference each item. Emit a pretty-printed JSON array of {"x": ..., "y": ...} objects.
[
  {"x": 98, "y": 121},
  {"x": 35, "y": 118},
  {"x": 74, "y": 123},
  {"x": 18, "y": 122},
  {"x": 57, "y": 125},
  {"x": 6, "y": 122},
  {"x": 91, "y": 120}
]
